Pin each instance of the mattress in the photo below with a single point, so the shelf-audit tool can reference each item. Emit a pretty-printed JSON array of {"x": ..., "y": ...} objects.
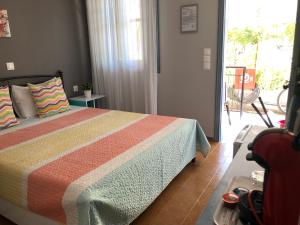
[{"x": 94, "y": 166}]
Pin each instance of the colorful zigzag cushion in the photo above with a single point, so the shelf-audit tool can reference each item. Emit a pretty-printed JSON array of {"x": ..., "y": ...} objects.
[
  {"x": 7, "y": 116},
  {"x": 49, "y": 97}
]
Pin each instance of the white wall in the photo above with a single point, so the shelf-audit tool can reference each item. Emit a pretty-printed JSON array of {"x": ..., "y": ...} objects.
[{"x": 185, "y": 89}]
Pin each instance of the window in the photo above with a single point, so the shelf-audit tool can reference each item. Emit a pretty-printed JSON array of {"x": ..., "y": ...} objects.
[
  {"x": 134, "y": 29},
  {"x": 131, "y": 29}
]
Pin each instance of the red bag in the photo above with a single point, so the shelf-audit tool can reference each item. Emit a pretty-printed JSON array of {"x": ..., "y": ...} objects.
[{"x": 278, "y": 151}]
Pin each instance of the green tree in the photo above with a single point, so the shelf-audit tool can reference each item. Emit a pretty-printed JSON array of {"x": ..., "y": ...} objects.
[
  {"x": 247, "y": 36},
  {"x": 285, "y": 31},
  {"x": 270, "y": 81},
  {"x": 290, "y": 32}
]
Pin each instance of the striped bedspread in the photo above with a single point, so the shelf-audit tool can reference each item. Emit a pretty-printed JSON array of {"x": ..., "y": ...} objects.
[{"x": 94, "y": 166}]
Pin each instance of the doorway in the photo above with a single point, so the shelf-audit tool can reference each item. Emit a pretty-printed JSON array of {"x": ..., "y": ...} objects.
[{"x": 258, "y": 47}]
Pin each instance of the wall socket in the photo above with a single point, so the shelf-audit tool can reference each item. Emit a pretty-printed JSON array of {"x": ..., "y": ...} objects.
[
  {"x": 75, "y": 88},
  {"x": 10, "y": 66}
]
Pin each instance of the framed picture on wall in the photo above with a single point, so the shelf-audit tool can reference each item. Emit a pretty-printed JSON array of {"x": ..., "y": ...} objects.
[
  {"x": 189, "y": 18},
  {"x": 4, "y": 24}
]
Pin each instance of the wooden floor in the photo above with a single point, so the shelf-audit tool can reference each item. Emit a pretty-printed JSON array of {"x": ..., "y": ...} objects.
[{"x": 184, "y": 199}]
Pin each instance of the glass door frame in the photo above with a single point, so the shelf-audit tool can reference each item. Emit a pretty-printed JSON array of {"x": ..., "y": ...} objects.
[{"x": 294, "y": 88}]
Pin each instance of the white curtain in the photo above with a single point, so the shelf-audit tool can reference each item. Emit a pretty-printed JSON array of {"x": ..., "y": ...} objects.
[{"x": 124, "y": 52}]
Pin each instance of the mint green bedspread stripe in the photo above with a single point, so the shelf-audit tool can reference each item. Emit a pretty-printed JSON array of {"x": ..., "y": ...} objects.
[{"x": 121, "y": 196}]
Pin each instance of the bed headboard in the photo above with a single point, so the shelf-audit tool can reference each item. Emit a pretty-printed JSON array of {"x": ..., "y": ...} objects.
[{"x": 24, "y": 79}]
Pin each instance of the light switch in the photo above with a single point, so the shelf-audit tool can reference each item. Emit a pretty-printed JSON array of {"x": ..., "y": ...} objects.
[
  {"x": 207, "y": 58},
  {"x": 10, "y": 66},
  {"x": 75, "y": 88},
  {"x": 206, "y": 65},
  {"x": 207, "y": 51}
]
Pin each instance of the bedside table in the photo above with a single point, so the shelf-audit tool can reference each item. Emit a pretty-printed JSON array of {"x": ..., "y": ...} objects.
[{"x": 83, "y": 101}]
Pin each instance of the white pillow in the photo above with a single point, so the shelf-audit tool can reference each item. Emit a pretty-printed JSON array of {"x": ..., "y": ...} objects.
[{"x": 23, "y": 102}]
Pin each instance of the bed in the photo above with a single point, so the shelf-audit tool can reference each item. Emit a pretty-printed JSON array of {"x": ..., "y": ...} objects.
[{"x": 92, "y": 166}]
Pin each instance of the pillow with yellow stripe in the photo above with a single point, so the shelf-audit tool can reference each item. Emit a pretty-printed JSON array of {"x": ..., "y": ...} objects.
[
  {"x": 49, "y": 97},
  {"x": 7, "y": 116}
]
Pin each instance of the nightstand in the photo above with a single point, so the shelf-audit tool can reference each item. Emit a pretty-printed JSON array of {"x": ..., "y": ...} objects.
[{"x": 83, "y": 101}]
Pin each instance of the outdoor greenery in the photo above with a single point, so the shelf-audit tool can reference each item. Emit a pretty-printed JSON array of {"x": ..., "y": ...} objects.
[
  {"x": 244, "y": 49},
  {"x": 273, "y": 82},
  {"x": 247, "y": 36},
  {"x": 290, "y": 32}
]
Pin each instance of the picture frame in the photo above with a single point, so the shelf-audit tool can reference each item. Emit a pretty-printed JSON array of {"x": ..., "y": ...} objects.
[
  {"x": 189, "y": 18},
  {"x": 4, "y": 24}
]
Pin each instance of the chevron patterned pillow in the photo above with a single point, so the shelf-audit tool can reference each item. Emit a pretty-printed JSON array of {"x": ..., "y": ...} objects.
[
  {"x": 49, "y": 97},
  {"x": 7, "y": 116}
]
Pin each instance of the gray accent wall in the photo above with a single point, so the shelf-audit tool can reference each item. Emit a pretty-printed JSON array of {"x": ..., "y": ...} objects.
[
  {"x": 185, "y": 89},
  {"x": 47, "y": 35},
  {"x": 52, "y": 34}
]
